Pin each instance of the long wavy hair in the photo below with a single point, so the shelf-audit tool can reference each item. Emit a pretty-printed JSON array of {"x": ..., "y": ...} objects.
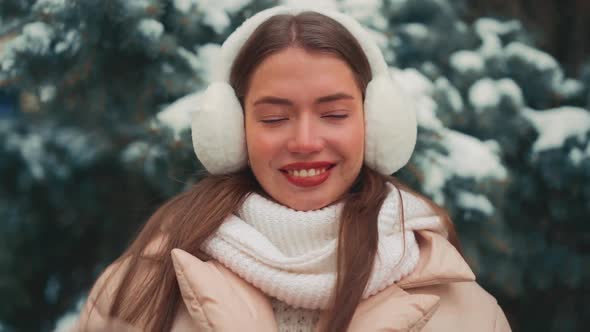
[{"x": 146, "y": 291}]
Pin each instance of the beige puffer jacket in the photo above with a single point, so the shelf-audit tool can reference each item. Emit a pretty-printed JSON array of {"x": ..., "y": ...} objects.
[{"x": 439, "y": 295}]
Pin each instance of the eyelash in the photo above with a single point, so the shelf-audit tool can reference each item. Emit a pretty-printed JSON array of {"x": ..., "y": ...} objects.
[{"x": 335, "y": 116}]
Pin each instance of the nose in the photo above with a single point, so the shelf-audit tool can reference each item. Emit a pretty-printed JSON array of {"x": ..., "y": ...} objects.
[{"x": 305, "y": 137}]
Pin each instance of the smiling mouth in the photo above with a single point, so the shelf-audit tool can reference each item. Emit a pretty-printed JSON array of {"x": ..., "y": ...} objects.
[
  {"x": 307, "y": 173},
  {"x": 308, "y": 177}
]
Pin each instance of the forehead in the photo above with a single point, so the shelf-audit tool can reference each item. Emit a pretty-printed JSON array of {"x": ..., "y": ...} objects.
[{"x": 300, "y": 73}]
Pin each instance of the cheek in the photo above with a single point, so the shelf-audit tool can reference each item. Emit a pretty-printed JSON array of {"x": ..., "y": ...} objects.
[
  {"x": 356, "y": 140},
  {"x": 356, "y": 153},
  {"x": 260, "y": 145}
]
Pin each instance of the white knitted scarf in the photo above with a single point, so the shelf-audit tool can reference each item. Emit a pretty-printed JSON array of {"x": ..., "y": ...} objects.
[{"x": 291, "y": 255}]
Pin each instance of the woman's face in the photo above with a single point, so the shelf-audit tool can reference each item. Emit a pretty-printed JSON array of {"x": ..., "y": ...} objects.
[{"x": 304, "y": 128}]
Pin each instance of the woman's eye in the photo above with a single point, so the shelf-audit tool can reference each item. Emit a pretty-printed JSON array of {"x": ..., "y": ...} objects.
[
  {"x": 273, "y": 120},
  {"x": 336, "y": 116}
]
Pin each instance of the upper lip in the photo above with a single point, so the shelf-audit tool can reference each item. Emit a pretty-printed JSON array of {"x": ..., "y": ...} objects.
[{"x": 307, "y": 165}]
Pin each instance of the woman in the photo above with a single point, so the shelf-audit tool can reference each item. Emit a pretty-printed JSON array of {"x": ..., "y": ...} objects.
[{"x": 299, "y": 226}]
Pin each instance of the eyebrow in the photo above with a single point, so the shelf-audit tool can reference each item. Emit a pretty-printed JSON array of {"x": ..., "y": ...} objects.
[{"x": 283, "y": 101}]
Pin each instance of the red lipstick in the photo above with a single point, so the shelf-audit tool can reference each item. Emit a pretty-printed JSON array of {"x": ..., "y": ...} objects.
[
  {"x": 307, "y": 165},
  {"x": 308, "y": 181}
]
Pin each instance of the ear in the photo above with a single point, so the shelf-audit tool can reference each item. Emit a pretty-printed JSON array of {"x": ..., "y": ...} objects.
[{"x": 217, "y": 299}]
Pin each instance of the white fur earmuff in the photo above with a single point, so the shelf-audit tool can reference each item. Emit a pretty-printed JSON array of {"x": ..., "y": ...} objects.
[{"x": 390, "y": 117}]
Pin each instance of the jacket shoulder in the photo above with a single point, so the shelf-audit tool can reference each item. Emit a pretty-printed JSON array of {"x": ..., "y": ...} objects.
[
  {"x": 464, "y": 306},
  {"x": 95, "y": 313}
]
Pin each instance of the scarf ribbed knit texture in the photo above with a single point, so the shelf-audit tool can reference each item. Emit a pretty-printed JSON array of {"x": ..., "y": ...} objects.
[{"x": 291, "y": 255}]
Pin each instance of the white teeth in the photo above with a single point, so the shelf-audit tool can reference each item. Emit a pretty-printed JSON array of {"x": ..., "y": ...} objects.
[{"x": 306, "y": 172}]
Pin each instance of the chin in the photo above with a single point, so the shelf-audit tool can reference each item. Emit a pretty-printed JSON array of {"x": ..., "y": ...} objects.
[{"x": 310, "y": 205}]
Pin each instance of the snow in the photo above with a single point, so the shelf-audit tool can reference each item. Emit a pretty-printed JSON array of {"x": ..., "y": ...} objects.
[
  {"x": 324, "y": 4},
  {"x": 183, "y": 6},
  {"x": 218, "y": 20},
  {"x": 570, "y": 87},
  {"x": 396, "y": 5},
  {"x": 382, "y": 41},
  {"x": 412, "y": 81},
  {"x": 35, "y": 38},
  {"x": 66, "y": 323},
  {"x": 52, "y": 289},
  {"x": 177, "y": 116},
  {"x": 487, "y": 93},
  {"x": 452, "y": 93},
  {"x": 576, "y": 156},
  {"x": 150, "y": 28},
  {"x": 70, "y": 42},
  {"x": 461, "y": 26},
  {"x": 494, "y": 146},
  {"x": 467, "y": 157},
  {"x": 531, "y": 56},
  {"x": 486, "y": 25},
  {"x": 426, "y": 113},
  {"x": 6, "y": 63},
  {"x": 435, "y": 178},
  {"x": 416, "y": 30},
  {"x": 365, "y": 11},
  {"x": 82, "y": 145},
  {"x": 470, "y": 157},
  {"x": 47, "y": 92},
  {"x": 467, "y": 61},
  {"x": 471, "y": 201},
  {"x": 207, "y": 56},
  {"x": 491, "y": 46},
  {"x": 419, "y": 88},
  {"x": 31, "y": 149},
  {"x": 190, "y": 58},
  {"x": 150, "y": 164},
  {"x": 558, "y": 124},
  {"x": 489, "y": 31},
  {"x": 429, "y": 69},
  {"x": 136, "y": 7},
  {"x": 134, "y": 151},
  {"x": 145, "y": 154},
  {"x": 508, "y": 88},
  {"x": 167, "y": 68},
  {"x": 483, "y": 94},
  {"x": 215, "y": 12},
  {"x": 49, "y": 7}
]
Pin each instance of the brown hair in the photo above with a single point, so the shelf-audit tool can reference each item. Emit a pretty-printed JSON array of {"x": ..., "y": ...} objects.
[{"x": 151, "y": 298}]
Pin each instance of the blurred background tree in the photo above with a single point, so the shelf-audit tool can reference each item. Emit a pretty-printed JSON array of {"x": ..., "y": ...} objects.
[
  {"x": 95, "y": 102},
  {"x": 560, "y": 27}
]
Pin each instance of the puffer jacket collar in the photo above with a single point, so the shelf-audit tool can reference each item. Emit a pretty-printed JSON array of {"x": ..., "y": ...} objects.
[
  {"x": 439, "y": 263},
  {"x": 394, "y": 309}
]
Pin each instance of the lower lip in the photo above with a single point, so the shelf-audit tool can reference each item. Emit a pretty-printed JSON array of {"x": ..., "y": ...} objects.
[{"x": 308, "y": 181}]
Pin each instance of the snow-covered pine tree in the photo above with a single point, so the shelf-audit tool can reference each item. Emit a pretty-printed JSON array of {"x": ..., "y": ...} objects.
[{"x": 105, "y": 89}]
